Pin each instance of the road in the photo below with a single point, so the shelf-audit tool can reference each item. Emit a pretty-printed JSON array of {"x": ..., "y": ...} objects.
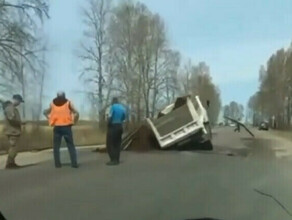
[{"x": 156, "y": 185}]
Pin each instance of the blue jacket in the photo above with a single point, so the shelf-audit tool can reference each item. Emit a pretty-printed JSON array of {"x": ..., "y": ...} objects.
[{"x": 117, "y": 114}]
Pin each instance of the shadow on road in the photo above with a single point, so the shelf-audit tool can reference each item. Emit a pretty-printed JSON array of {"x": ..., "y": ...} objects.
[
  {"x": 29, "y": 165},
  {"x": 203, "y": 219}
]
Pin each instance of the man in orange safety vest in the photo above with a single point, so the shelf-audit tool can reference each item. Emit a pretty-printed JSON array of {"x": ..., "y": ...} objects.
[{"x": 62, "y": 115}]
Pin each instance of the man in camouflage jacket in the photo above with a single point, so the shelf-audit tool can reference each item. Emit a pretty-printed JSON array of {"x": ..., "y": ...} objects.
[{"x": 12, "y": 128}]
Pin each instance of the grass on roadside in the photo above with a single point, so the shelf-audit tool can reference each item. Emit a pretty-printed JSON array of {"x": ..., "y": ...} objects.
[{"x": 32, "y": 139}]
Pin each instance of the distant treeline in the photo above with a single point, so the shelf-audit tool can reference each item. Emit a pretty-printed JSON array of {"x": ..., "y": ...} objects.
[{"x": 273, "y": 100}]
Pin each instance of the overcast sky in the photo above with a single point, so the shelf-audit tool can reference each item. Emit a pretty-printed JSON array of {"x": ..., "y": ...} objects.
[{"x": 234, "y": 37}]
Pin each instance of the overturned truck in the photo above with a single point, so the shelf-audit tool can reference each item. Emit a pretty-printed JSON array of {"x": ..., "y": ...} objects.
[{"x": 183, "y": 125}]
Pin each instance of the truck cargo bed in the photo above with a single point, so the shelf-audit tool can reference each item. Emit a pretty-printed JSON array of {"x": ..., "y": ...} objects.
[{"x": 178, "y": 124}]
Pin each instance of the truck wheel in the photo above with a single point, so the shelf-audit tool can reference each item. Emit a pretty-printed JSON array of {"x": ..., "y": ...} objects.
[{"x": 208, "y": 128}]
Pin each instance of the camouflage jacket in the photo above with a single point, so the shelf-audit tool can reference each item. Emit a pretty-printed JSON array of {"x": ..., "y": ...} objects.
[{"x": 12, "y": 123}]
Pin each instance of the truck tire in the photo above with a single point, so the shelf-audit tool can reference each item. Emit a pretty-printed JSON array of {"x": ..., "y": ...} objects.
[{"x": 209, "y": 131}]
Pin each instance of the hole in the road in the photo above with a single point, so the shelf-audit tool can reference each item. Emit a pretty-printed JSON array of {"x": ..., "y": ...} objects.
[{"x": 259, "y": 147}]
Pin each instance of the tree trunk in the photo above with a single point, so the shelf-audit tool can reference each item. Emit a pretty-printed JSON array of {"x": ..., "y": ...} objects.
[
  {"x": 288, "y": 113},
  {"x": 24, "y": 97},
  {"x": 39, "y": 113},
  {"x": 139, "y": 101},
  {"x": 100, "y": 88},
  {"x": 167, "y": 91},
  {"x": 155, "y": 85},
  {"x": 23, "y": 84},
  {"x": 101, "y": 120},
  {"x": 147, "y": 105}
]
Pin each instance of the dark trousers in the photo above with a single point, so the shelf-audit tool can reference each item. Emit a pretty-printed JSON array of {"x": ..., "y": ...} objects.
[
  {"x": 237, "y": 129},
  {"x": 66, "y": 132},
  {"x": 114, "y": 141}
]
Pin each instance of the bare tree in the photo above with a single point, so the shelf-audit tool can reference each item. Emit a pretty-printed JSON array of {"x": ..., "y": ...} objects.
[
  {"x": 18, "y": 50},
  {"x": 170, "y": 76},
  {"x": 197, "y": 81},
  {"x": 95, "y": 47},
  {"x": 147, "y": 66},
  {"x": 186, "y": 74},
  {"x": 121, "y": 30},
  {"x": 273, "y": 100}
]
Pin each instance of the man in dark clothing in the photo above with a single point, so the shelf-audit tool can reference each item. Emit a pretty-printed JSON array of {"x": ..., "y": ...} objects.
[
  {"x": 12, "y": 128},
  {"x": 62, "y": 115},
  {"x": 116, "y": 118},
  {"x": 237, "y": 129}
]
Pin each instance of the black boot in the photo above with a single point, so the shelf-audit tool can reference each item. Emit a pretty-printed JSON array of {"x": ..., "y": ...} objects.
[{"x": 12, "y": 166}]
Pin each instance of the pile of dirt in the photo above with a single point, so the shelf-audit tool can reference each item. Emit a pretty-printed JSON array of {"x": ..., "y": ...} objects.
[
  {"x": 180, "y": 101},
  {"x": 141, "y": 140}
]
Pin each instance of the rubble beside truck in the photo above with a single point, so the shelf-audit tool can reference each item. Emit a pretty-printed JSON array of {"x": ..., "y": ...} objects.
[{"x": 183, "y": 125}]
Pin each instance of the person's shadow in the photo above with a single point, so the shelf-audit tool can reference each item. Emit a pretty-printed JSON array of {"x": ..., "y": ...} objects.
[
  {"x": 2, "y": 217},
  {"x": 202, "y": 219},
  {"x": 29, "y": 165},
  {"x": 25, "y": 166}
]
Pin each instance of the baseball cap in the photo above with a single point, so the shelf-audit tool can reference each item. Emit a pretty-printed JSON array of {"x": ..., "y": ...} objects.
[{"x": 18, "y": 97}]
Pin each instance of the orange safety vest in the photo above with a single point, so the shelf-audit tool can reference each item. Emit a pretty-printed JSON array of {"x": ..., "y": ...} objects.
[{"x": 61, "y": 115}]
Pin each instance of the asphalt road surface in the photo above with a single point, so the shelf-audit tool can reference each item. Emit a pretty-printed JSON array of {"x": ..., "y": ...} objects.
[{"x": 223, "y": 184}]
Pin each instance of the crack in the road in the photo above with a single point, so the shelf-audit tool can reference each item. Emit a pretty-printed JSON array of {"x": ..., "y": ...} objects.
[{"x": 276, "y": 200}]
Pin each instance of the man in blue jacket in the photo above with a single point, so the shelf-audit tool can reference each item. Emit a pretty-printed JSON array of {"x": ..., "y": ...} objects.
[{"x": 117, "y": 116}]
